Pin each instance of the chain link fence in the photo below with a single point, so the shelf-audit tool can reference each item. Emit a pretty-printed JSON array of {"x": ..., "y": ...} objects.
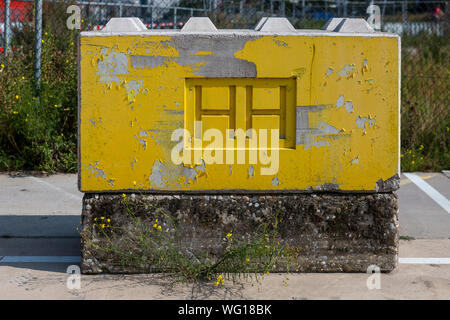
[{"x": 423, "y": 26}]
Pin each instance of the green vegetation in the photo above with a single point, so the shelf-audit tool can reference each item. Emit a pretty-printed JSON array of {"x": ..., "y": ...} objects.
[
  {"x": 153, "y": 243},
  {"x": 425, "y": 117},
  {"x": 38, "y": 128},
  {"x": 41, "y": 133}
]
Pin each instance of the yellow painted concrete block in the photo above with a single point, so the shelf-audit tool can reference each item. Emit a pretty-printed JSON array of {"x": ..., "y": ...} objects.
[{"x": 332, "y": 98}]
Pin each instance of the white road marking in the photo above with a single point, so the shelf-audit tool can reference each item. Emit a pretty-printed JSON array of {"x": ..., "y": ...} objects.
[
  {"x": 430, "y": 191},
  {"x": 424, "y": 260},
  {"x": 47, "y": 259},
  {"x": 51, "y": 186}
]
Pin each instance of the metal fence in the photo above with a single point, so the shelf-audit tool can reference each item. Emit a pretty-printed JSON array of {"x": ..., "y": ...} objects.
[{"x": 423, "y": 25}]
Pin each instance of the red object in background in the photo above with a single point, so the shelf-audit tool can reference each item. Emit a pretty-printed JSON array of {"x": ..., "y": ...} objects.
[
  {"x": 21, "y": 11},
  {"x": 437, "y": 13}
]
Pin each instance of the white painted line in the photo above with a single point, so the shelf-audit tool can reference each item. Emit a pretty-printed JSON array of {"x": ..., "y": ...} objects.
[
  {"x": 47, "y": 259},
  {"x": 424, "y": 260},
  {"x": 430, "y": 191},
  {"x": 51, "y": 186}
]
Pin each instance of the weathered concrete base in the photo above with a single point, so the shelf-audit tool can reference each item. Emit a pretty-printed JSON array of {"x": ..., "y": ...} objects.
[{"x": 333, "y": 232}]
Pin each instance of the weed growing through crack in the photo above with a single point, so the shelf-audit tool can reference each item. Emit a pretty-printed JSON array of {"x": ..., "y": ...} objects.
[{"x": 155, "y": 245}]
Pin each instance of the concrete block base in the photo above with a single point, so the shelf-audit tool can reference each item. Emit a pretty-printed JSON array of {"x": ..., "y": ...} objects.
[{"x": 333, "y": 232}]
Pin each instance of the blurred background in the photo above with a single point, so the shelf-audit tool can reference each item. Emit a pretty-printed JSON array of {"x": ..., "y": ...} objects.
[{"x": 38, "y": 67}]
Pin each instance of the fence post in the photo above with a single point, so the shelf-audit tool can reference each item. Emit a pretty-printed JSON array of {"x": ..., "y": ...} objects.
[
  {"x": 303, "y": 11},
  {"x": 7, "y": 28},
  {"x": 404, "y": 13},
  {"x": 151, "y": 13},
  {"x": 175, "y": 17},
  {"x": 37, "y": 41}
]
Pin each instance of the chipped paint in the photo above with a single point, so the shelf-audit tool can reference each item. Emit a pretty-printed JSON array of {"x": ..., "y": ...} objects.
[
  {"x": 251, "y": 172},
  {"x": 340, "y": 101},
  {"x": 275, "y": 182},
  {"x": 349, "y": 106},
  {"x": 281, "y": 43},
  {"x": 361, "y": 123},
  {"x": 347, "y": 71},
  {"x": 132, "y": 87},
  {"x": 110, "y": 65},
  {"x": 157, "y": 176},
  {"x": 96, "y": 171},
  {"x": 355, "y": 160}
]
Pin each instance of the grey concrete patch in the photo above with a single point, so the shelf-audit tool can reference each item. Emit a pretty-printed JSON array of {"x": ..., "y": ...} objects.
[{"x": 216, "y": 58}]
